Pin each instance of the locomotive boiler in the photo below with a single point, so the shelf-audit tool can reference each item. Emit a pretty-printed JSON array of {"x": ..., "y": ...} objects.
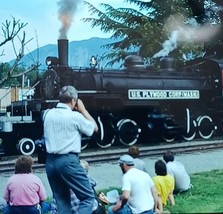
[
  {"x": 143, "y": 102},
  {"x": 138, "y": 103}
]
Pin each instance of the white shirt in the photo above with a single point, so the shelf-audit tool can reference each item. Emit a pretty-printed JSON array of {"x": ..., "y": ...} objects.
[
  {"x": 178, "y": 171},
  {"x": 139, "y": 184},
  {"x": 140, "y": 164},
  {"x": 63, "y": 128}
]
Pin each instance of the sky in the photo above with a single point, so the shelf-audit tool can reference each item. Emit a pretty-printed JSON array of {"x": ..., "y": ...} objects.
[
  {"x": 42, "y": 17},
  {"x": 46, "y": 23}
]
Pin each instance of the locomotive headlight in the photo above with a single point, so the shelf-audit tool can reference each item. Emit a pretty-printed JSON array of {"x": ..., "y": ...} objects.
[
  {"x": 93, "y": 62},
  {"x": 50, "y": 61}
]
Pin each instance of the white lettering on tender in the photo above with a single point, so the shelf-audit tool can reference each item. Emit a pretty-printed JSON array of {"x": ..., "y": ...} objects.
[{"x": 143, "y": 94}]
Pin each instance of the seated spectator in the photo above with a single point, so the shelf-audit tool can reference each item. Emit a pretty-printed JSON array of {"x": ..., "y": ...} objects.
[
  {"x": 138, "y": 163},
  {"x": 85, "y": 166},
  {"x": 93, "y": 183},
  {"x": 24, "y": 191},
  {"x": 164, "y": 184},
  {"x": 178, "y": 171},
  {"x": 139, "y": 194}
]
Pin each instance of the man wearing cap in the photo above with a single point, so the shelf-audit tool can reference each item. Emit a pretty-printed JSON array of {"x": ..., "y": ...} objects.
[
  {"x": 62, "y": 132},
  {"x": 139, "y": 194}
]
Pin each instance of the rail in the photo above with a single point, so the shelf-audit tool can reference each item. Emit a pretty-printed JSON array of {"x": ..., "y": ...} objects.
[{"x": 100, "y": 156}]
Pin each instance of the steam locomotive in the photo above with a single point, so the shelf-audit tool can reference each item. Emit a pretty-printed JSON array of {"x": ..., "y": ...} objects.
[{"x": 138, "y": 103}]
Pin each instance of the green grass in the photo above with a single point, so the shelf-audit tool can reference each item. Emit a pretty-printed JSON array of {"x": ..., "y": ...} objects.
[{"x": 206, "y": 196}]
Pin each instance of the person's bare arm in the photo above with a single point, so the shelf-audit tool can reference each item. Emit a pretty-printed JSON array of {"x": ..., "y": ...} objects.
[
  {"x": 171, "y": 198},
  {"x": 120, "y": 204},
  {"x": 117, "y": 206},
  {"x": 157, "y": 199}
]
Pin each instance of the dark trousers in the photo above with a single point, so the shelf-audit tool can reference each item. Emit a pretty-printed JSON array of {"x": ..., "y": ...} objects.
[
  {"x": 64, "y": 172},
  {"x": 21, "y": 210}
]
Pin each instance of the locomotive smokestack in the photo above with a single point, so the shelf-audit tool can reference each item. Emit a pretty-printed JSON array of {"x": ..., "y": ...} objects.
[
  {"x": 63, "y": 52},
  {"x": 167, "y": 63}
]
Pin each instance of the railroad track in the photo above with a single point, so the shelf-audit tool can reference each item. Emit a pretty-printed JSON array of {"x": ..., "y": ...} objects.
[{"x": 109, "y": 155}]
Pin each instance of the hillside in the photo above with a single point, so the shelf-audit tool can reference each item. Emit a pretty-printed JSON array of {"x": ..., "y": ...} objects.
[{"x": 79, "y": 52}]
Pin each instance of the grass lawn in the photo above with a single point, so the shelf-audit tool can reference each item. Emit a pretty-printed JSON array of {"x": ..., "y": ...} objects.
[{"x": 206, "y": 196}]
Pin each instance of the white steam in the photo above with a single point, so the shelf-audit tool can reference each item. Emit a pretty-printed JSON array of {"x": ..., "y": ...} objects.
[
  {"x": 169, "y": 45},
  {"x": 192, "y": 32}
]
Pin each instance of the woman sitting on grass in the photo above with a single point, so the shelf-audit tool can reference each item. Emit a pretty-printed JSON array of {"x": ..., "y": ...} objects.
[{"x": 24, "y": 191}]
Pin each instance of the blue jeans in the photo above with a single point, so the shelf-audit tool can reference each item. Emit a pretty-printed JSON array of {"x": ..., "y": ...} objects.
[
  {"x": 126, "y": 210},
  {"x": 21, "y": 210},
  {"x": 64, "y": 172}
]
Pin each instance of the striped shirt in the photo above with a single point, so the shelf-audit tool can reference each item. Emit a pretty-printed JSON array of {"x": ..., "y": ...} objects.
[{"x": 63, "y": 128}]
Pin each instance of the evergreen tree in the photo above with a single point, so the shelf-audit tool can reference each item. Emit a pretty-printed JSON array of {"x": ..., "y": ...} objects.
[{"x": 156, "y": 28}]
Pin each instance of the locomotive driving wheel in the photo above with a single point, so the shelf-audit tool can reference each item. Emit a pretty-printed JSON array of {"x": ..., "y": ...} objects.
[
  {"x": 106, "y": 136},
  {"x": 85, "y": 141},
  {"x": 205, "y": 127},
  {"x": 128, "y": 131},
  {"x": 190, "y": 129},
  {"x": 169, "y": 137},
  {"x": 190, "y": 133}
]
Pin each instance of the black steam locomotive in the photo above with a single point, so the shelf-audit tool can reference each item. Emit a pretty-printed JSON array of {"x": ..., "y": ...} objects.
[{"x": 136, "y": 103}]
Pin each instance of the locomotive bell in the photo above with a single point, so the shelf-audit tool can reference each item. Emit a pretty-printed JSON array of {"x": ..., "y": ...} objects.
[{"x": 134, "y": 61}]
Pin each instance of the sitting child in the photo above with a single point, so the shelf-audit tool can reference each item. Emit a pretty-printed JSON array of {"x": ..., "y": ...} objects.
[{"x": 164, "y": 184}]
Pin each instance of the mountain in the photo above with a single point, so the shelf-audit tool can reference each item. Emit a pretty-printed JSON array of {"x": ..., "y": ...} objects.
[{"x": 79, "y": 53}]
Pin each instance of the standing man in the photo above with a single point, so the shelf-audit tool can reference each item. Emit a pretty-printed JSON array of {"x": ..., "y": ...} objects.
[
  {"x": 139, "y": 194},
  {"x": 178, "y": 171},
  {"x": 62, "y": 131}
]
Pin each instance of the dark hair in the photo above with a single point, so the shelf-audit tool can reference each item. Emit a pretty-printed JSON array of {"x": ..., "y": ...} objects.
[
  {"x": 67, "y": 93},
  {"x": 168, "y": 156},
  {"x": 160, "y": 168},
  {"x": 23, "y": 165},
  {"x": 134, "y": 151}
]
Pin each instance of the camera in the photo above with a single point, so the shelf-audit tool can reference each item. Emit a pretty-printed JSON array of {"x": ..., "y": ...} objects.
[{"x": 41, "y": 150}]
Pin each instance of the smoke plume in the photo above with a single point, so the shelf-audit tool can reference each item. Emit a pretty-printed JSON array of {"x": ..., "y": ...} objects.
[
  {"x": 192, "y": 32},
  {"x": 67, "y": 9},
  {"x": 169, "y": 45}
]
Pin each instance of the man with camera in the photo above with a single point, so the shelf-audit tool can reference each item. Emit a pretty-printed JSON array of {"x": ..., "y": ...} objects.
[{"x": 62, "y": 131}]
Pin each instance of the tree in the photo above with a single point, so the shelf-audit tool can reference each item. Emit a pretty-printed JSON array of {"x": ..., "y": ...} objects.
[
  {"x": 150, "y": 27},
  {"x": 11, "y": 31}
]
